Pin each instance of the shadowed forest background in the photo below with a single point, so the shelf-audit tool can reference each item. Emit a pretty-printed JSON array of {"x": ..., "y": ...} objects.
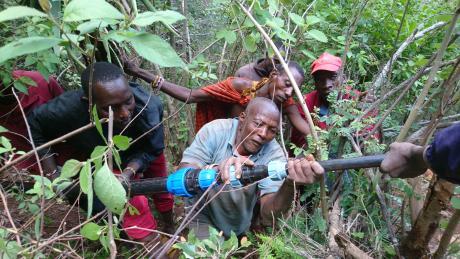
[{"x": 406, "y": 53}]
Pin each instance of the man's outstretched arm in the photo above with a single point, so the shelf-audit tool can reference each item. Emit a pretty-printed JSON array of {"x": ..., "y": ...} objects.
[{"x": 181, "y": 93}]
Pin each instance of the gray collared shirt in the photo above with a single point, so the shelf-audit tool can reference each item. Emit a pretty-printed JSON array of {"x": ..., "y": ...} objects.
[{"x": 232, "y": 209}]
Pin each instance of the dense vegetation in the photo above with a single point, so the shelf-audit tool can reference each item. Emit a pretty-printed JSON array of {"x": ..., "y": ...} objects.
[{"x": 389, "y": 48}]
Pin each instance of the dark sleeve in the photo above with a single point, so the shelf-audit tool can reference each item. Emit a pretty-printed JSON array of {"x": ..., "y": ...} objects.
[
  {"x": 51, "y": 120},
  {"x": 443, "y": 154},
  {"x": 149, "y": 147}
]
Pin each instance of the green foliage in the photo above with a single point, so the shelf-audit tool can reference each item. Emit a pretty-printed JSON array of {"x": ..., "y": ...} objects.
[
  {"x": 215, "y": 246},
  {"x": 70, "y": 168},
  {"x": 26, "y": 46},
  {"x": 16, "y": 12},
  {"x": 91, "y": 231},
  {"x": 77, "y": 10},
  {"x": 109, "y": 190},
  {"x": 167, "y": 17}
]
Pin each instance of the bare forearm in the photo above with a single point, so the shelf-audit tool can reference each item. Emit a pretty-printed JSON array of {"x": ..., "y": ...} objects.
[
  {"x": 297, "y": 121},
  {"x": 276, "y": 204}
]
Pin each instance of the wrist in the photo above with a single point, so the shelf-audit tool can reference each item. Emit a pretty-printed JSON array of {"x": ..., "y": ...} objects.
[{"x": 418, "y": 156}]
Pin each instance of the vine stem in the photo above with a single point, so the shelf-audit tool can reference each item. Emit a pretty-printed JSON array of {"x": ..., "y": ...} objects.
[
  {"x": 416, "y": 109},
  {"x": 112, "y": 245},
  {"x": 40, "y": 168},
  {"x": 302, "y": 104}
]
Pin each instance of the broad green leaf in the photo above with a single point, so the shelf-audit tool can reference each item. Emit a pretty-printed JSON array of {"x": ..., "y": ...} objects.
[
  {"x": 16, "y": 12},
  {"x": 6, "y": 143},
  {"x": 26, "y": 46},
  {"x": 70, "y": 169},
  {"x": 311, "y": 19},
  {"x": 249, "y": 43},
  {"x": 272, "y": 6},
  {"x": 455, "y": 202},
  {"x": 27, "y": 81},
  {"x": 98, "y": 124},
  {"x": 297, "y": 19},
  {"x": 92, "y": 25},
  {"x": 167, "y": 17},
  {"x": 109, "y": 190},
  {"x": 85, "y": 175},
  {"x": 97, "y": 155},
  {"x": 151, "y": 47},
  {"x": 3, "y": 129},
  {"x": 91, "y": 231},
  {"x": 122, "y": 142},
  {"x": 20, "y": 87},
  {"x": 317, "y": 35},
  {"x": 231, "y": 243},
  {"x": 230, "y": 36},
  {"x": 79, "y": 10}
]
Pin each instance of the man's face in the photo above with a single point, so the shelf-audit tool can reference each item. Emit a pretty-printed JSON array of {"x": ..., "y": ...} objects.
[
  {"x": 257, "y": 128},
  {"x": 281, "y": 88},
  {"x": 118, "y": 95},
  {"x": 325, "y": 81}
]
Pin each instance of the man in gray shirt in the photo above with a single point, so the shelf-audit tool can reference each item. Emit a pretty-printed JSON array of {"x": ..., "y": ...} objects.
[{"x": 247, "y": 140}]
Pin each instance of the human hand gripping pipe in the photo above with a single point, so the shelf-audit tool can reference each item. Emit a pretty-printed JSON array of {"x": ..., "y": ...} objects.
[{"x": 187, "y": 182}]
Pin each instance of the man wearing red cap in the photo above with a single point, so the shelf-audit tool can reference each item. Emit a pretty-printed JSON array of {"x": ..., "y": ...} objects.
[{"x": 325, "y": 74}]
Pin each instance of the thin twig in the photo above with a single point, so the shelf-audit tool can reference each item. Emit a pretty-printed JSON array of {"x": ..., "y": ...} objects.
[
  {"x": 42, "y": 201},
  {"x": 112, "y": 245}
]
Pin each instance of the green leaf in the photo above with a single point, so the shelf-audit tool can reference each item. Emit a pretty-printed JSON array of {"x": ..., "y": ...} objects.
[
  {"x": 297, "y": 19},
  {"x": 3, "y": 129},
  {"x": 79, "y": 10},
  {"x": 20, "y": 87},
  {"x": 109, "y": 190},
  {"x": 91, "y": 231},
  {"x": 151, "y": 47},
  {"x": 167, "y": 17},
  {"x": 249, "y": 43},
  {"x": 26, "y": 46},
  {"x": 230, "y": 36},
  {"x": 317, "y": 35},
  {"x": 70, "y": 169},
  {"x": 6, "y": 143},
  {"x": 98, "y": 124},
  {"x": 27, "y": 81},
  {"x": 358, "y": 234},
  {"x": 16, "y": 12},
  {"x": 231, "y": 243},
  {"x": 311, "y": 19},
  {"x": 92, "y": 25},
  {"x": 122, "y": 142},
  {"x": 85, "y": 178},
  {"x": 97, "y": 155},
  {"x": 455, "y": 202}
]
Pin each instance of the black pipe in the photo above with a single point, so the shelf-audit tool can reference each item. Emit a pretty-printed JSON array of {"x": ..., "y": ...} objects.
[{"x": 250, "y": 175}]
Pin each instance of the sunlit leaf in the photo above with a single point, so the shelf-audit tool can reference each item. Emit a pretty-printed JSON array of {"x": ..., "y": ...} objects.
[
  {"x": 311, "y": 19},
  {"x": 109, "y": 190},
  {"x": 79, "y": 10},
  {"x": 317, "y": 35},
  {"x": 16, "y": 12},
  {"x": 167, "y": 17},
  {"x": 70, "y": 168},
  {"x": 151, "y": 47},
  {"x": 297, "y": 19},
  {"x": 91, "y": 231},
  {"x": 455, "y": 202},
  {"x": 230, "y": 36},
  {"x": 26, "y": 46},
  {"x": 27, "y": 81},
  {"x": 121, "y": 142}
]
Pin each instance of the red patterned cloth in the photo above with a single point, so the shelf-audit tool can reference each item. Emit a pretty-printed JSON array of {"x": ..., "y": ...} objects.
[
  {"x": 11, "y": 116},
  {"x": 225, "y": 96}
]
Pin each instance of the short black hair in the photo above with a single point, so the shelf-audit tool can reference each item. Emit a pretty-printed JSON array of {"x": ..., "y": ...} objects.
[
  {"x": 292, "y": 64},
  {"x": 102, "y": 72}
]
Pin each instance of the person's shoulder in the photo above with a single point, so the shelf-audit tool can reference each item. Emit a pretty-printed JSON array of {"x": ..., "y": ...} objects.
[
  {"x": 241, "y": 83},
  {"x": 219, "y": 125}
]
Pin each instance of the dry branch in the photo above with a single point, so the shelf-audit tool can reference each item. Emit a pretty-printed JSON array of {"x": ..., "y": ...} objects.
[
  {"x": 447, "y": 236},
  {"x": 350, "y": 249},
  {"x": 380, "y": 79}
]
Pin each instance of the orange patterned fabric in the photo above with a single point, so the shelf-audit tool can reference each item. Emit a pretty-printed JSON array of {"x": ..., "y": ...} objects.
[{"x": 225, "y": 97}]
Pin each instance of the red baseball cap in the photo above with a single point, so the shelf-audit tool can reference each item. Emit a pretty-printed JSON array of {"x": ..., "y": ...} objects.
[{"x": 326, "y": 62}]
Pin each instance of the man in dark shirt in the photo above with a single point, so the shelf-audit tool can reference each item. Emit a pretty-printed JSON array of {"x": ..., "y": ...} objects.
[
  {"x": 405, "y": 160},
  {"x": 133, "y": 109}
]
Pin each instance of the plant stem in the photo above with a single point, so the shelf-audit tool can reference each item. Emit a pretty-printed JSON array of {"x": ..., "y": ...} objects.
[
  {"x": 436, "y": 63},
  {"x": 112, "y": 245},
  {"x": 447, "y": 236}
]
